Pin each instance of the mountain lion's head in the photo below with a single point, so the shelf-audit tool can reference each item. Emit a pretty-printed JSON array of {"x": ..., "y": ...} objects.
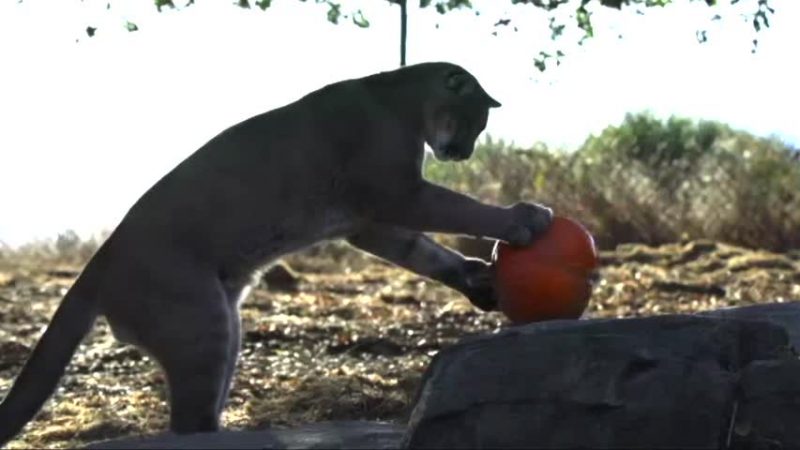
[{"x": 459, "y": 114}]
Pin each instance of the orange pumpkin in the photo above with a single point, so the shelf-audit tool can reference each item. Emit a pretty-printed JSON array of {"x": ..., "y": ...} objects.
[{"x": 548, "y": 279}]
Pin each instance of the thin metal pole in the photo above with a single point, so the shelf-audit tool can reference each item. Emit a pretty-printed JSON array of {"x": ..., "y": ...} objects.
[{"x": 403, "y": 32}]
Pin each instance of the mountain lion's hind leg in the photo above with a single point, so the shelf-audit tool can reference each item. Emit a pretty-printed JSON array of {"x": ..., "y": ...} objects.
[
  {"x": 235, "y": 293},
  {"x": 193, "y": 338}
]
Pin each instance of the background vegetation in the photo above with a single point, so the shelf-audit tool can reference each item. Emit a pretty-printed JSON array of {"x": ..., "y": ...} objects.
[
  {"x": 646, "y": 180},
  {"x": 650, "y": 181}
]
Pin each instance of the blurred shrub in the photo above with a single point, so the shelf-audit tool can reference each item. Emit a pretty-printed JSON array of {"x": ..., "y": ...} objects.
[
  {"x": 646, "y": 180},
  {"x": 67, "y": 248},
  {"x": 650, "y": 181}
]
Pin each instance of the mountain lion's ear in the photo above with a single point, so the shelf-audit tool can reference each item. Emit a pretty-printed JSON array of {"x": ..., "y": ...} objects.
[{"x": 461, "y": 83}]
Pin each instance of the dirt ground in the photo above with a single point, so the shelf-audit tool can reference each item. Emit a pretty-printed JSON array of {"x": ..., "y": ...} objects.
[{"x": 349, "y": 341}]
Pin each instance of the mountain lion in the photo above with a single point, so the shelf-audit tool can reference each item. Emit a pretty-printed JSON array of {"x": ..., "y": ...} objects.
[{"x": 342, "y": 162}]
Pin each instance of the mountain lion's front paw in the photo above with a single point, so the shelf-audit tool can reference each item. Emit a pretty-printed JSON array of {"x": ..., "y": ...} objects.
[
  {"x": 479, "y": 284},
  {"x": 529, "y": 221}
]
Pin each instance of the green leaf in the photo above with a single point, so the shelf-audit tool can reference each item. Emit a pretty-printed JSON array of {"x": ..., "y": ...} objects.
[
  {"x": 424, "y": 3},
  {"x": 243, "y": 3},
  {"x": 130, "y": 26},
  {"x": 540, "y": 62},
  {"x": 360, "y": 20},
  {"x": 555, "y": 30},
  {"x": 584, "y": 21},
  {"x": 455, "y": 4},
  {"x": 334, "y": 11},
  {"x": 162, "y": 3},
  {"x": 616, "y": 4},
  {"x": 263, "y": 4},
  {"x": 90, "y": 31}
]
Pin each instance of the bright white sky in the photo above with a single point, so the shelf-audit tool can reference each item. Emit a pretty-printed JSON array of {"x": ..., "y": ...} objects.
[{"x": 87, "y": 126}]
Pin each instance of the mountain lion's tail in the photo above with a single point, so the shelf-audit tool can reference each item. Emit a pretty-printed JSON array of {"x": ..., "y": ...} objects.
[{"x": 39, "y": 377}]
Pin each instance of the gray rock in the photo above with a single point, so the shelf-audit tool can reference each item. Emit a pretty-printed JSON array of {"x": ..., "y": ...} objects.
[
  {"x": 668, "y": 381},
  {"x": 327, "y": 435},
  {"x": 786, "y": 315},
  {"x": 767, "y": 409}
]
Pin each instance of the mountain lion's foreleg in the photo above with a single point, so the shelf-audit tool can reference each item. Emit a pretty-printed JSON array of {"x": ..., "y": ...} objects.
[
  {"x": 419, "y": 253},
  {"x": 431, "y": 208}
]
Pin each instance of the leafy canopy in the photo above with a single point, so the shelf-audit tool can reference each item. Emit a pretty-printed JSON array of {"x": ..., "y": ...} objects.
[{"x": 580, "y": 13}]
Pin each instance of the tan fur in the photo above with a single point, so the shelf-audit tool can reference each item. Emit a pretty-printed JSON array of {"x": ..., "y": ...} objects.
[{"x": 342, "y": 162}]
